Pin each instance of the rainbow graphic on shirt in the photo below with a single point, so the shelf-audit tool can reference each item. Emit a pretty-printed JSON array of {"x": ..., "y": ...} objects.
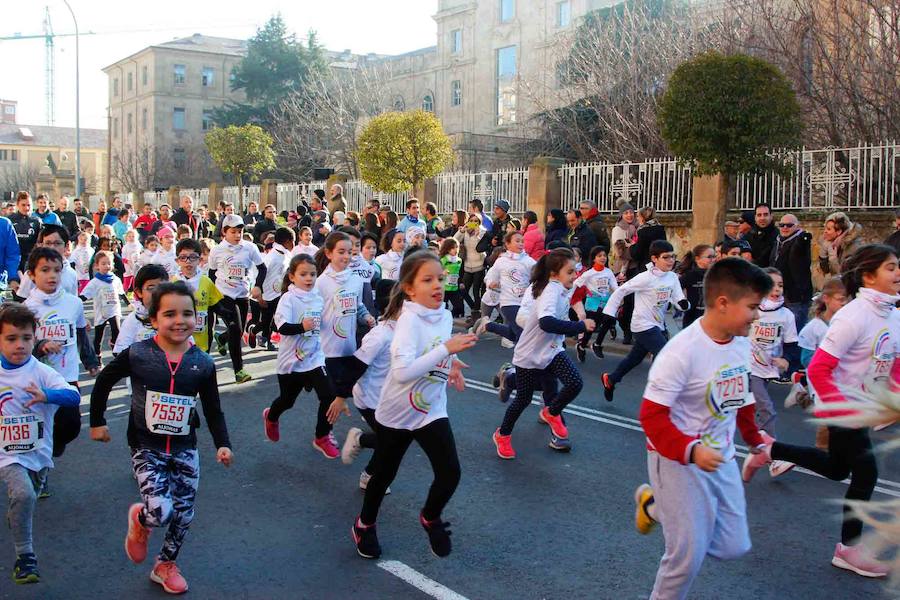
[
  {"x": 344, "y": 308},
  {"x": 418, "y": 399},
  {"x": 883, "y": 353},
  {"x": 6, "y": 395}
]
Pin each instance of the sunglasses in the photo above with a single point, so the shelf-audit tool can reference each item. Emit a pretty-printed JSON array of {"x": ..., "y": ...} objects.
[{"x": 786, "y": 225}]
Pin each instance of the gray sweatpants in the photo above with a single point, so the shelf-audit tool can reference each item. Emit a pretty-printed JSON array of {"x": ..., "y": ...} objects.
[
  {"x": 701, "y": 513},
  {"x": 765, "y": 407},
  {"x": 22, "y": 486}
]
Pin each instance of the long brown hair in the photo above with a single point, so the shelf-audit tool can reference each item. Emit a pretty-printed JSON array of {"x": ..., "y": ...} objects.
[
  {"x": 864, "y": 261},
  {"x": 408, "y": 271},
  {"x": 330, "y": 242},
  {"x": 832, "y": 287},
  {"x": 547, "y": 265}
]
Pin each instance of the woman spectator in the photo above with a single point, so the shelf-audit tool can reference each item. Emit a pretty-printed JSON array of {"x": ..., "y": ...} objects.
[
  {"x": 532, "y": 235},
  {"x": 372, "y": 224},
  {"x": 625, "y": 228},
  {"x": 473, "y": 263},
  {"x": 390, "y": 220},
  {"x": 649, "y": 230},
  {"x": 353, "y": 219},
  {"x": 457, "y": 223},
  {"x": 840, "y": 238},
  {"x": 556, "y": 227}
]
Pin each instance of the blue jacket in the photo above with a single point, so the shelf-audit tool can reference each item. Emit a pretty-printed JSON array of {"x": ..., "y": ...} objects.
[
  {"x": 48, "y": 218},
  {"x": 9, "y": 251}
]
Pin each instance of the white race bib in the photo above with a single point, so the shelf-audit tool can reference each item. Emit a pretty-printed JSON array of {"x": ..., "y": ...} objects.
[
  {"x": 108, "y": 298},
  {"x": 21, "y": 433},
  {"x": 235, "y": 274},
  {"x": 168, "y": 414},
  {"x": 201, "y": 321},
  {"x": 56, "y": 330},
  {"x": 731, "y": 389},
  {"x": 315, "y": 315},
  {"x": 453, "y": 279}
]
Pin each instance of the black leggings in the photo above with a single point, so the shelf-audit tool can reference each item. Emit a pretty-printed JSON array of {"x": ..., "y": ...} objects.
[
  {"x": 604, "y": 326},
  {"x": 455, "y": 299},
  {"x": 289, "y": 387},
  {"x": 234, "y": 312},
  {"x": 849, "y": 453},
  {"x": 436, "y": 440},
  {"x": 528, "y": 380},
  {"x": 262, "y": 317},
  {"x": 113, "y": 323},
  {"x": 473, "y": 282},
  {"x": 66, "y": 427},
  {"x": 367, "y": 439}
]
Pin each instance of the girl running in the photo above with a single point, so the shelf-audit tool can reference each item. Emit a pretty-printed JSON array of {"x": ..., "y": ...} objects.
[
  {"x": 167, "y": 372},
  {"x": 510, "y": 274},
  {"x": 449, "y": 255},
  {"x": 541, "y": 350},
  {"x": 105, "y": 291},
  {"x": 599, "y": 283},
  {"x": 304, "y": 243},
  {"x": 691, "y": 276},
  {"x": 860, "y": 347},
  {"x": 392, "y": 244},
  {"x": 413, "y": 402}
]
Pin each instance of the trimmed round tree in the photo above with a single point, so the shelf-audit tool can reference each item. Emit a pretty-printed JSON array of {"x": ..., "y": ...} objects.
[
  {"x": 239, "y": 151},
  {"x": 398, "y": 151},
  {"x": 722, "y": 113}
]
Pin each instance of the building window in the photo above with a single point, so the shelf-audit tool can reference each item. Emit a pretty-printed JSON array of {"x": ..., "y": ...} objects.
[
  {"x": 428, "y": 102},
  {"x": 144, "y": 119},
  {"x": 129, "y": 125},
  {"x": 563, "y": 14},
  {"x": 144, "y": 75},
  {"x": 130, "y": 80},
  {"x": 455, "y": 92},
  {"x": 115, "y": 86},
  {"x": 456, "y": 41},
  {"x": 178, "y": 158},
  {"x": 12, "y": 155},
  {"x": 116, "y": 127},
  {"x": 178, "y": 119},
  {"x": 179, "y": 74},
  {"x": 207, "y": 77},
  {"x": 506, "y": 85},
  {"x": 207, "y": 120},
  {"x": 507, "y": 10}
]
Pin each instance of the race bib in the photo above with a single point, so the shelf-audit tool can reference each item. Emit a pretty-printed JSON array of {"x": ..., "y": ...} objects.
[
  {"x": 346, "y": 303},
  {"x": 731, "y": 389},
  {"x": 56, "y": 330},
  {"x": 21, "y": 433},
  {"x": 235, "y": 274},
  {"x": 168, "y": 414},
  {"x": 108, "y": 298},
  {"x": 452, "y": 279},
  {"x": 315, "y": 315},
  {"x": 201, "y": 321}
]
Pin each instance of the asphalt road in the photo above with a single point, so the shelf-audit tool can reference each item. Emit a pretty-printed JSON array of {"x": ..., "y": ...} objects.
[{"x": 547, "y": 525}]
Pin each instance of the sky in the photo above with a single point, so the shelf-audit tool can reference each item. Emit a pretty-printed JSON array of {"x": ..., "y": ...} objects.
[{"x": 127, "y": 26}]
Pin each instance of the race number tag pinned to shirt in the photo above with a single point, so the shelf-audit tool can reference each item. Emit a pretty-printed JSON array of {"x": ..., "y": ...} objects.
[
  {"x": 108, "y": 298},
  {"x": 235, "y": 274},
  {"x": 316, "y": 316},
  {"x": 201, "y": 321},
  {"x": 168, "y": 414},
  {"x": 730, "y": 389},
  {"x": 56, "y": 330},
  {"x": 21, "y": 433},
  {"x": 453, "y": 279},
  {"x": 346, "y": 302}
]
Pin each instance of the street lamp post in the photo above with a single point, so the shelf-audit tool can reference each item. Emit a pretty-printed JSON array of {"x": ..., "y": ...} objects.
[{"x": 77, "y": 109}]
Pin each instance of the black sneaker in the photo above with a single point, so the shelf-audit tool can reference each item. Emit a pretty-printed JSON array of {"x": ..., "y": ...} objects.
[
  {"x": 581, "y": 351},
  {"x": 627, "y": 339},
  {"x": 560, "y": 444},
  {"x": 271, "y": 347},
  {"x": 26, "y": 570},
  {"x": 598, "y": 350},
  {"x": 438, "y": 536},
  {"x": 221, "y": 344},
  {"x": 608, "y": 387},
  {"x": 45, "y": 492},
  {"x": 251, "y": 336},
  {"x": 366, "y": 540},
  {"x": 783, "y": 380}
]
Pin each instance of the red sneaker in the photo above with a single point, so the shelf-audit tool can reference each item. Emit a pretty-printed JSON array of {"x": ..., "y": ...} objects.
[
  {"x": 166, "y": 574},
  {"x": 270, "y": 427},
  {"x": 556, "y": 423},
  {"x": 504, "y": 445},
  {"x": 137, "y": 537},
  {"x": 327, "y": 445}
]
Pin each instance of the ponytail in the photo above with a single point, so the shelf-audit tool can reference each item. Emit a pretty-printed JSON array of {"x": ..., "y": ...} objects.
[{"x": 864, "y": 261}]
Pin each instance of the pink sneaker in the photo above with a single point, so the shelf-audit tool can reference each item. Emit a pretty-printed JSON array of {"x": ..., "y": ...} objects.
[
  {"x": 504, "y": 446},
  {"x": 859, "y": 560},
  {"x": 270, "y": 427},
  {"x": 327, "y": 445},
  {"x": 556, "y": 423},
  {"x": 754, "y": 462},
  {"x": 137, "y": 537},
  {"x": 166, "y": 574}
]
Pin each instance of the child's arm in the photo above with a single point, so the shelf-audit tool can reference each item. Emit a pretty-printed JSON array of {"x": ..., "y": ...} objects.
[
  {"x": 357, "y": 364},
  {"x": 85, "y": 352},
  {"x": 629, "y": 287},
  {"x": 117, "y": 369},
  {"x": 53, "y": 389},
  {"x": 821, "y": 375},
  {"x": 806, "y": 356}
]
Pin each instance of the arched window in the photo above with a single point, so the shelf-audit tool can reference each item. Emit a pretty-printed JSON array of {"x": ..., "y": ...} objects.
[{"x": 428, "y": 102}]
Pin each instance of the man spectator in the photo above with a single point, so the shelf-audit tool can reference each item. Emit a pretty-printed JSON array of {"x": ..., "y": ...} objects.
[
  {"x": 266, "y": 224},
  {"x": 9, "y": 255},
  {"x": 185, "y": 215},
  {"x": 112, "y": 213},
  {"x": 894, "y": 238},
  {"x": 412, "y": 216},
  {"x": 79, "y": 209},
  {"x": 579, "y": 234},
  {"x": 337, "y": 199},
  {"x": 317, "y": 201},
  {"x": 732, "y": 231},
  {"x": 745, "y": 223},
  {"x": 433, "y": 223},
  {"x": 165, "y": 218},
  {"x": 204, "y": 226},
  {"x": 494, "y": 238},
  {"x": 792, "y": 255},
  {"x": 68, "y": 218},
  {"x": 762, "y": 236},
  {"x": 476, "y": 207},
  {"x": 43, "y": 212},
  {"x": 320, "y": 227},
  {"x": 144, "y": 223},
  {"x": 253, "y": 215},
  {"x": 26, "y": 225},
  {"x": 595, "y": 223},
  {"x": 226, "y": 209}
]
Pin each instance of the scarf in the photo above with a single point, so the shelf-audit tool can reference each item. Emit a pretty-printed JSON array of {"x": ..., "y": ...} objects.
[
  {"x": 881, "y": 302},
  {"x": 193, "y": 283},
  {"x": 9, "y": 366},
  {"x": 105, "y": 278},
  {"x": 769, "y": 305},
  {"x": 412, "y": 232},
  {"x": 431, "y": 316},
  {"x": 655, "y": 271},
  {"x": 649, "y": 223},
  {"x": 301, "y": 293},
  {"x": 45, "y": 298},
  {"x": 340, "y": 277},
  {"x": 140, "y": 311},
  {"x": 514, "y": 256},
  {"x": 781, "y": 241}
]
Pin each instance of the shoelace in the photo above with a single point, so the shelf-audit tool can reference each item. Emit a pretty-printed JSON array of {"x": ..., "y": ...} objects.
[{"x": 168, "y": 569}]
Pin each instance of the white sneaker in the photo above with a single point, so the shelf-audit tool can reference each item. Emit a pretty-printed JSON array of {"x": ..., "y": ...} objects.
[
  {"x": 364, "y": 482},
  {"x": 780, "y": 467},
  {"x": 859, "y": 560},
  {"x": 351, "y": 447},
  {"x": 791, "y": 399}
]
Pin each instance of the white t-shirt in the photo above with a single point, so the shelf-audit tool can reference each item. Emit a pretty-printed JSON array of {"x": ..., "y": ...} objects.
[
  {"x": 812, "y": 334},
  {"x": 59, "y": 317},
  {"x": 130, "y": 252},
  {"x": 653, "y": 290},
  {"x": 415, "y": 391},
  {"x": 536, "y": 347},
  {"x": 599, "y": 284},
  {"x": 130, "y": 331},
  {"x": 81, "y": 256},
  {"x": 703, "y": 383},
  {"x": 342, "y": 293},
  {"x": 491, "y": 297},
  {"x": 299, "y": 353},
  {"x": 768, "y": 334},
  {"x": 300, "y": 248},
  {"x": 276, "y": 264},
  {"x": 375, "y": 352},
  {"x": 362, "y": 268},
  {"x": 12, "y": 407},
  {"x": 232, "y": 264},
  {"x": 167, "y": 259},
  {"x": 105, "y": 297},
  {"x": 513, "y": 273},
  {"x": 390, "y": 264},
  {"x": 68, "y": 282}
]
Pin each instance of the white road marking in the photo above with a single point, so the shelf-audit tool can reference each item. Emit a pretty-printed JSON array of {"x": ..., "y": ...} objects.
[{"x": 420, "y": 582}]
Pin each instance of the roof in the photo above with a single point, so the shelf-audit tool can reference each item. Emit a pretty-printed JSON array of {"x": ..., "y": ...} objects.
[
  {"x": 43, "y": 135},
  {"x": 205, "y": 43}
]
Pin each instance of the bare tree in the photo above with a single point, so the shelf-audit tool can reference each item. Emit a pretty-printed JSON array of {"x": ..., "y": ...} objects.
[
  {"x": 149, "y": 167},
  {"x": 18, "y": 176}
]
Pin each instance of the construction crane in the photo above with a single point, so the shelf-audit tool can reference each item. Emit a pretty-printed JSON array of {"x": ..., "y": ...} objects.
[{"x": 49, "y": 61}]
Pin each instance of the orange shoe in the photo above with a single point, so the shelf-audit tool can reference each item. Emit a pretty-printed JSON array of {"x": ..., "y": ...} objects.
[
  {"x": 138, "y": 535},
  {"x": 166, "y": 574},
  {"x": 504, "y": 445},
  {"x": 556, "y": 423}
]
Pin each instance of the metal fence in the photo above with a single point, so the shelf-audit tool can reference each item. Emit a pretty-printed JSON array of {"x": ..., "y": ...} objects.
[
  {"x": 455, "y": 190},
  {"x": 865, "y": 176},
  {"x": 230, "y": 194},
  {"x": 662, "y": 183},
  {"x": 357, "y": 192},
  {"x": 200, "y": 195},
  {"x": 156, "y": 198},
  {"x": 289, "y": 194}
]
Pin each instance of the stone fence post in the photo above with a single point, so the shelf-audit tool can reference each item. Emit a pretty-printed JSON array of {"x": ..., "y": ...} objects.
[
  {"x": 268, "y": 192},
  {"x": 544, "y": 192},
  {"x": 215, "y": 195},
  {"x": 709, "y": 208}
]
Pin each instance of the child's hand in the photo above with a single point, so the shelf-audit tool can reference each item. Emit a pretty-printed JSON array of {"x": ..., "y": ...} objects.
[
  {"x": 262, "y": 302},
  {"x": 338, "y": 406},
  {"x": 460, "y": 342},
  {"x": 781, "y": 363},
  {"x": 256, "y": 293},
  {"x": 224, "y": 456},
  {"x": 100, "y": 434},
  {"x": 53, "y": 347},
  {"x": 37, "y": 395},
  {"x": 707, "y": 459},
  {"x": 309, "y": 324},
  {"x": 456, "y": 378},
  {"x": 590, "y": 324},
  {"x": 494, "y": 286},
  {"x": 370, "y": 321}
]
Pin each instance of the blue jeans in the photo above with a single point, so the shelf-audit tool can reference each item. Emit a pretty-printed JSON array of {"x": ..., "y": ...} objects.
[
  {"x": 508, "y": 329},
  {"x": 645, "y": 342}
]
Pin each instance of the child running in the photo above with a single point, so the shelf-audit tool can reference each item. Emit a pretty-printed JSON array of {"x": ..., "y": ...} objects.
[
  {"x": 510, "y": 274},
  {"x": 653, "y": 290},
  {"x": 136, "y": 326},
  {"x": 541, "y": 351},
  {"x": 81, "y": 257},
  {"x": 449, "y": 255},
  {"x": 276, "y": 261},
  {"x": 304, "y": 243},
  {"x": 859, "y": 351},
  {"x": 697, "y": 391},
  {"x": 30, "y": 395},
  {"x": 105, "y": 291},
  {"x": 599, "y": 283},
  {"x": 130, "y": 251},
  {"x": 206, "y": 294},
  {"x": 413, "y": 402},
  {"x": 393, "y": 243},
  {"x": 168, "y": 372},
  {"x": 691, "y": 275}
]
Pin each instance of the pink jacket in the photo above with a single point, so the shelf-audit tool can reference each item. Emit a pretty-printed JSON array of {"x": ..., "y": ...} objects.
[{"x": 534, "y": 241}]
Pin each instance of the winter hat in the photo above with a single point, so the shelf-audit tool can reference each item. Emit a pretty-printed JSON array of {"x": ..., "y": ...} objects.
[{"x": 502, "y": 205}]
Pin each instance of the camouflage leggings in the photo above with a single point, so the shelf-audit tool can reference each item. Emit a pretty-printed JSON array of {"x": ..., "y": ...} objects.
[{"x": 168, "y": 485}]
